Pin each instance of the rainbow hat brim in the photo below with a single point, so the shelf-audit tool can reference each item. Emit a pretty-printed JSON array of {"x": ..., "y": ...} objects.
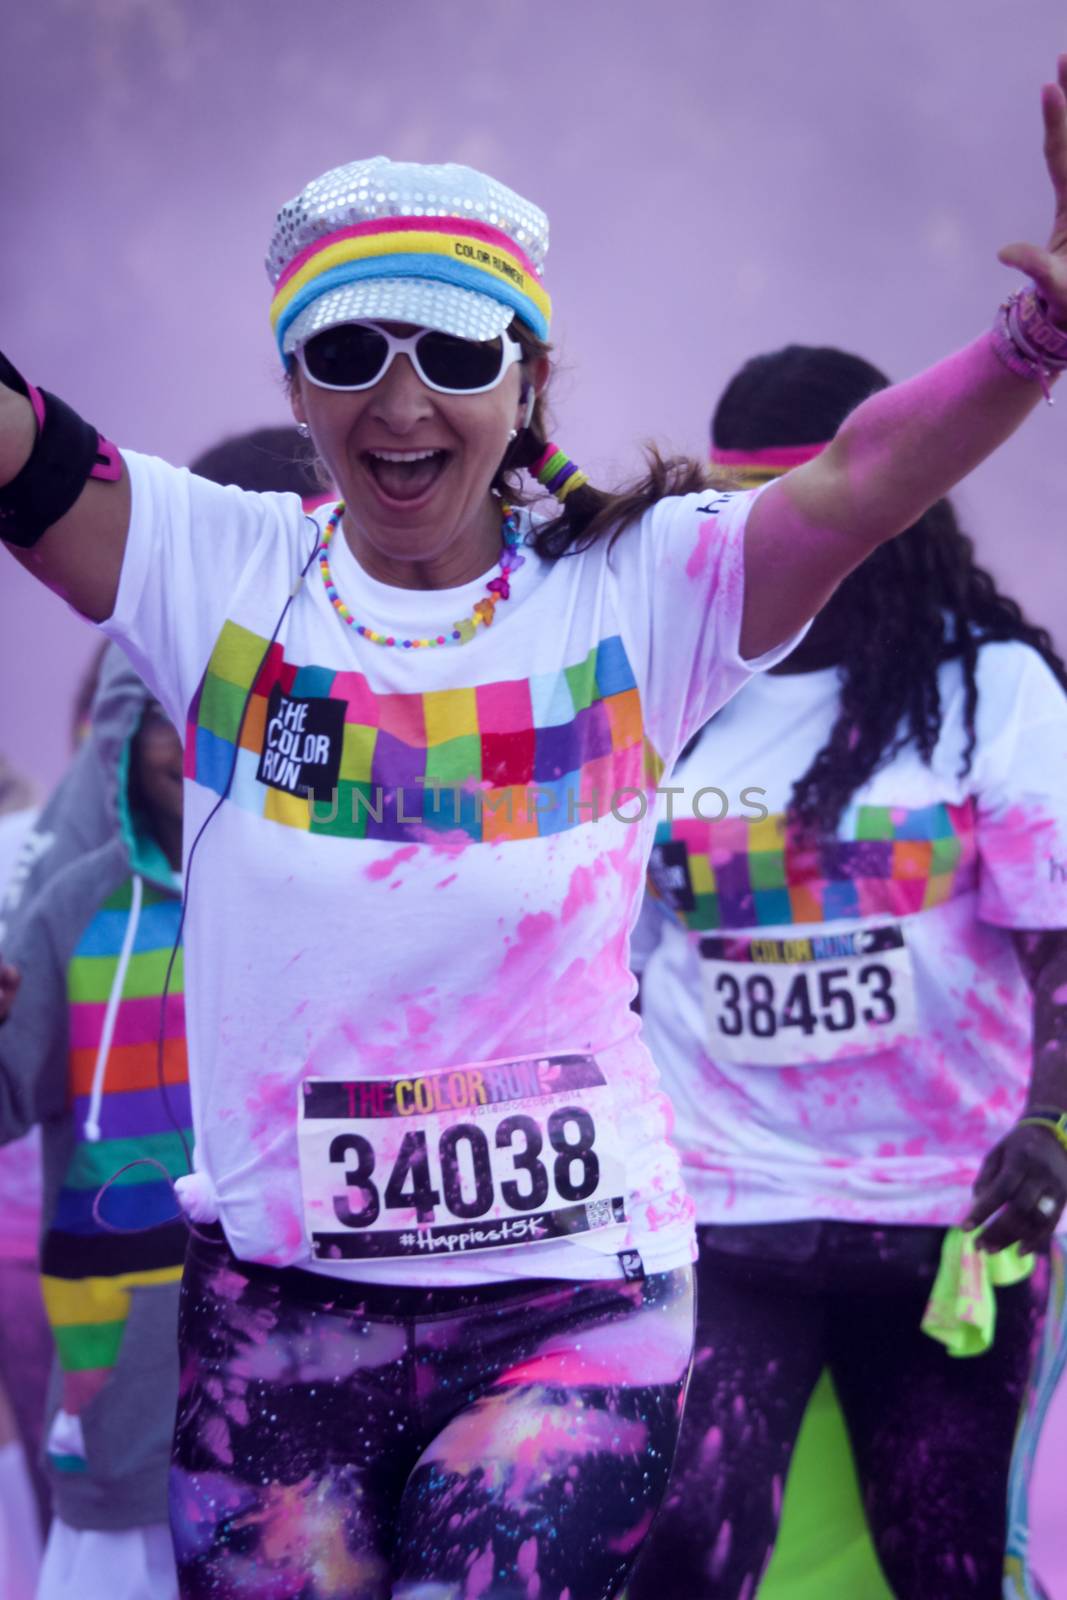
[{"x": 462, "y": 277}]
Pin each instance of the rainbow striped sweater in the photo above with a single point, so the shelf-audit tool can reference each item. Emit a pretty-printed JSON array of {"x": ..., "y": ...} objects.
[{"x": 81, "y": 1056}]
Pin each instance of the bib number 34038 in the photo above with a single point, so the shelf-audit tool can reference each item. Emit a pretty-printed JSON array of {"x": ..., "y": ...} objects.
[
  {"x": 782, "y": 1002},
  {"x": 483, "y": 1156}
]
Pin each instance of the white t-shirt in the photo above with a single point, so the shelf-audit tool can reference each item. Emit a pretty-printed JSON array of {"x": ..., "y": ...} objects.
[
  {"x": 402, "y": 932},
  {"x": 842, "y": 1023}
]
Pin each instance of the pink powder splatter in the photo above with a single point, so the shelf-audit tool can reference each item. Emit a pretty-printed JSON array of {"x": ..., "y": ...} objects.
[
  {"x": 236, "y": 1409},
  {"x": 1018, "y": 837},
  {"x": 526, "y": 1567},
  {"x": 533, "y": 934},
  {"x": 582, "y": 890},
  {"x": 993, "y": 1026},
  {"x": 271, "y": 1102},
  {"x": 700, "y": 558},
  {"x": 285, "y": 1228},
  {"x": 632, "y": 1537},
  {"x": 226, "y": 1284},
  {"x": 383, "y": 869},
  {"x": 449, "y": 842},
  {"x": 215, "y": 1436},
  {"x": 720, "y": 1555},
  {"x": 480, "y": 1575},
  {"x": 419, "y": 1020}
]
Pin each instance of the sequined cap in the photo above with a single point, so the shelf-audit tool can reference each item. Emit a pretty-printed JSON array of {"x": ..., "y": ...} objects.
[{"x": 440, "y": 246}]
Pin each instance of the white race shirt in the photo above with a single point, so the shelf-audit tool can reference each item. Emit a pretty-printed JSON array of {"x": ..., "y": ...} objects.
[
  {"x": 842, "y": 1022},
  {"x": 409, "y": 1023}
]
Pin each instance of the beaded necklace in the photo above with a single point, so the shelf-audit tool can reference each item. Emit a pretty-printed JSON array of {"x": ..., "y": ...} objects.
[{"x": 498, "y": 588}]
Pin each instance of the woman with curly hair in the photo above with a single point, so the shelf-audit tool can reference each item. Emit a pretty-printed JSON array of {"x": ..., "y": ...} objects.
[{"x": 857, "y": 995}]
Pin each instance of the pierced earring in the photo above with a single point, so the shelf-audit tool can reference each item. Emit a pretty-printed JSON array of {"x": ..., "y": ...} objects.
[
  {"x": 303, "y": 430},
  {"x": 514, "y": 434}
]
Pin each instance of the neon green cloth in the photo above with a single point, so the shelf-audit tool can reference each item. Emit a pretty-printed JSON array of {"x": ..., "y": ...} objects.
[
  {"x": 962, "y": 1310},
  {"x": 823, "y": 1550},
  {"x": 823, "y": 1546}
]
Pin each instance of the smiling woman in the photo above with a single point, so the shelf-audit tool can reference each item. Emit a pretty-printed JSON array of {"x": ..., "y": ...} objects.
[
  {"x": 413, "y": 458},
  {"x": 434, "y": 884}
]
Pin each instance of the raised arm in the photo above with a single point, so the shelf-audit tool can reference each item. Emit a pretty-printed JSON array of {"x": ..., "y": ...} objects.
[
  {"x": 47, "y": 459},
  {"x": 907, "y": 446}
]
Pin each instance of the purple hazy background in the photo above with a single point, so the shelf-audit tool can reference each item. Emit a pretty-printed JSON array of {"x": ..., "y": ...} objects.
[{"x": 721, "y": 179}]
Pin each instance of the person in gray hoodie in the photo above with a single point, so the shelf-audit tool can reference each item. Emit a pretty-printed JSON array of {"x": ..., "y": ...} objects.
[
  {"x": 27, "y": 857},
  {"x": 84, "y": 1051}
]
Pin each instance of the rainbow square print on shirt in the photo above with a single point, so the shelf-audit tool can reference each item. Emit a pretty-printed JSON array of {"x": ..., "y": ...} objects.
[
  {"x": 320, "y": 751},
  {"x": 740, "y": 873}
]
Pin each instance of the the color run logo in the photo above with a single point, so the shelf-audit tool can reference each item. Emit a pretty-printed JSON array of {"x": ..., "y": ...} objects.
[{"x": 302, "y": 744}]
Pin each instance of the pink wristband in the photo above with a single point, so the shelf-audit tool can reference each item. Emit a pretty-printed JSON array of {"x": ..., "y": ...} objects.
[{"x": 1027, "y": 341}]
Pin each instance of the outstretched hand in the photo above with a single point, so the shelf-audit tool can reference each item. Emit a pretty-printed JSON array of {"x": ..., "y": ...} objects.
[
  {"x": 1022, "y": 1186},
  {"x": 10, "y": 978},
  {"x": 1048, "y": 267}
]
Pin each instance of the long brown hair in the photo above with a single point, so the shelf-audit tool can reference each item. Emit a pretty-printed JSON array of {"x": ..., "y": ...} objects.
[{"x": 588, "y": 514}]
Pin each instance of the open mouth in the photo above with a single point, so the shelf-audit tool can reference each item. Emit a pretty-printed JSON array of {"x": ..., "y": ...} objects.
[{"x": 405, "y": 474}]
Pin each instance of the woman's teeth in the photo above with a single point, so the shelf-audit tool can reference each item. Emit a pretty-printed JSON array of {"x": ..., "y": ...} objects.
[
  {"x": 402, "y": 455},
  {"x": 405, "y": 474}
]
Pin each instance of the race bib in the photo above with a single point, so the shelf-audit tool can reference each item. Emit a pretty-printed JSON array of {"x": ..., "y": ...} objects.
[
  {"x": 788, "y": 1002},
  {"x": 483, "y": 1156}
]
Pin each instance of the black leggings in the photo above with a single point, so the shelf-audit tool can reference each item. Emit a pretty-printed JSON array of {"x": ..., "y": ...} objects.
[
  {"x": 931, "y": 1434},
  {"x": 338, "y": 1441}
]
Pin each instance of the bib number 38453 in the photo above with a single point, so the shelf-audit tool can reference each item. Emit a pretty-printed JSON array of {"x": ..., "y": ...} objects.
[
  {"x": 783, "y": 1002},
  {"x": 486, "y": 1155}
]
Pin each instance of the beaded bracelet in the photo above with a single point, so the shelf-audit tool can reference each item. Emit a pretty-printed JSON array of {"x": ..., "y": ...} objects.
[
  {"x": 1027, "y": 341},
  {"x": 1047, "y": 1117}
]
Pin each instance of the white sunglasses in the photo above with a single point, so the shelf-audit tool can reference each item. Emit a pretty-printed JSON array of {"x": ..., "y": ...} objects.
[{"x": 357, "y": 355}]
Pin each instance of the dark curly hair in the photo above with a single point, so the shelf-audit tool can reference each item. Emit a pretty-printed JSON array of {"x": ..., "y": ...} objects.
[{"x": 918, "y": 601}]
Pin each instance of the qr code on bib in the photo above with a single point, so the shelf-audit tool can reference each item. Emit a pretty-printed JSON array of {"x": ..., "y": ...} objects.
[{"x": 599, "y": 1213}]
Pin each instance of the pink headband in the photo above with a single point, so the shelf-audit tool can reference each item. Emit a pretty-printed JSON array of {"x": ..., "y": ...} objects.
[
  {"x": 781, "y": 457},
  {"x": 750, "y": 469}
]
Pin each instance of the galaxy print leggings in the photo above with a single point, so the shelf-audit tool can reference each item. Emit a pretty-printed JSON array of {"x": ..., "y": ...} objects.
[
  {"x": 932, "y": 1435},
  {"x": 351, "y": 1442}
]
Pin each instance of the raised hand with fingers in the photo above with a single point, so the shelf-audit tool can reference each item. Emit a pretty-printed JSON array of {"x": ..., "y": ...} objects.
[{"x": 1048, "y": 267}]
